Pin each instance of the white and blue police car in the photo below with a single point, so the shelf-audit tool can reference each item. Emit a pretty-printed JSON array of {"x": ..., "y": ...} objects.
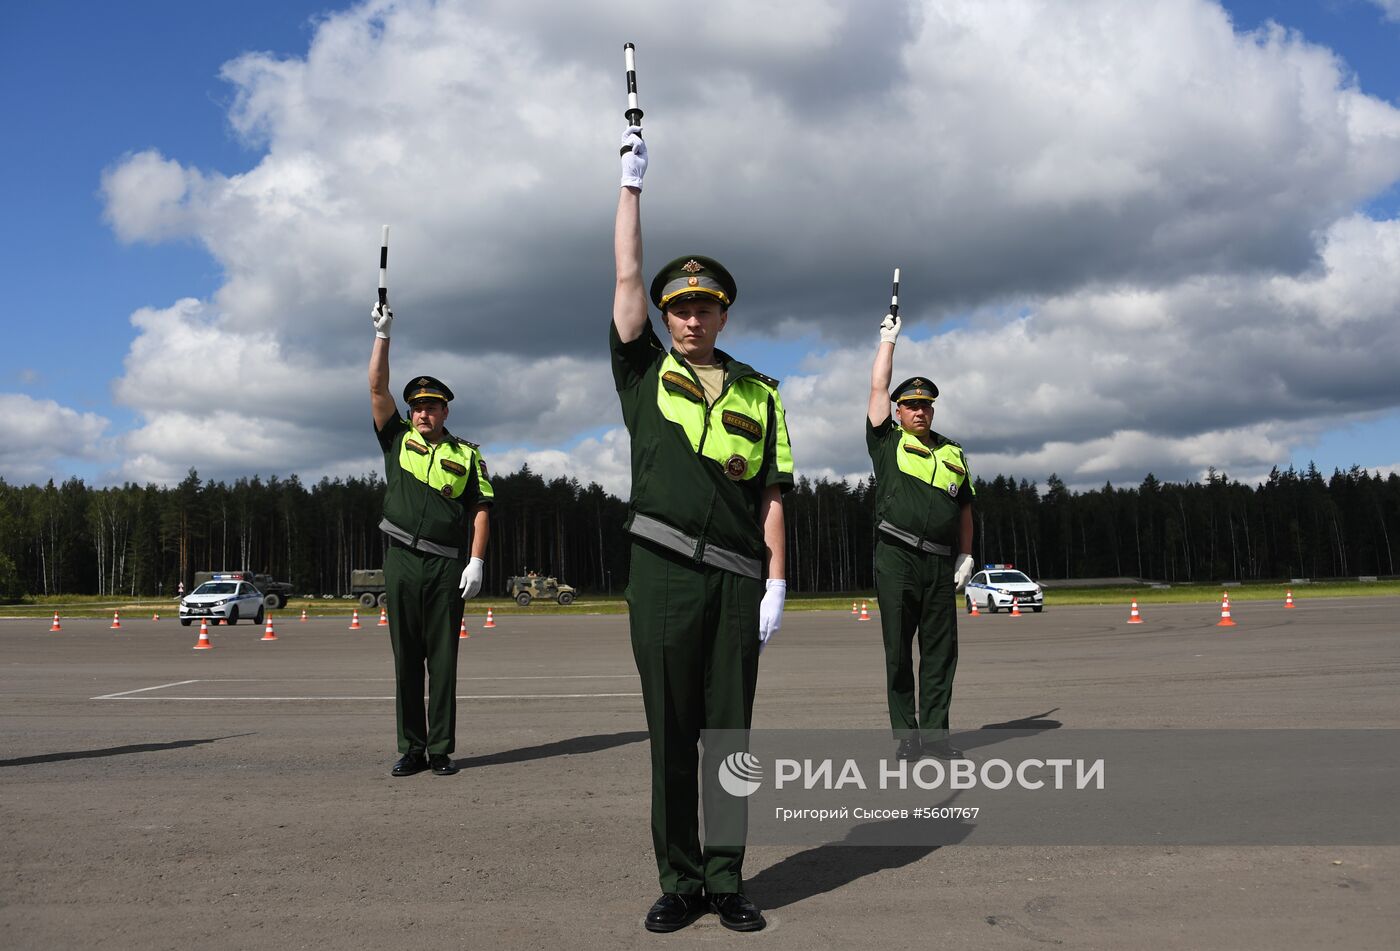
[
  {"x": 227, "y": 595},
  {"x": 993, "y": 588}
]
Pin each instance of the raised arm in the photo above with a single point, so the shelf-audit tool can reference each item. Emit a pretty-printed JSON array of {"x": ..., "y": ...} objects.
[
  {"x": 381, "y": 401},
  {"x": 879, "y": 408},
  {"x": 629, "y": 297}
]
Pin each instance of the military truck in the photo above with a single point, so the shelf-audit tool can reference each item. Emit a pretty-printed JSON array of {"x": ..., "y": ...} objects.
[
  {"x": 534, "y": 587},
  {"x": 368, "y": 586},
  {"x": 275, "y": 593}
]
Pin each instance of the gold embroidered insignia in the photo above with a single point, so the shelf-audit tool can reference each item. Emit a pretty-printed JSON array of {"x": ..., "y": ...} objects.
[
  {"x": 683, "y": 382},
  {"x": 741, "y": 425},
  {"x": 916, "y": 450},
  {"x": 955, "y": 467},
  {"x": 692, "y": 266},
  {"x": 456, "y": 468},
  {"x": 736, "y": 467},
  {"x": 416, "y": 446}
]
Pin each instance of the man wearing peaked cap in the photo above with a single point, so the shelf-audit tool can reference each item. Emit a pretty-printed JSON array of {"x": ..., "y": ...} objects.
[
  {"x": 710, "y": 462},
  {"x": 923, "y": 546},
  {"x": 436, "y": 510}
]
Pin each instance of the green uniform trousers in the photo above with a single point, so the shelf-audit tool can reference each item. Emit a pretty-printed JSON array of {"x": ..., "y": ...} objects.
[
  {"x": 915, "y": 591},
  {"x": 695, "y": 640},
  {"x": 425, "y": 617}
]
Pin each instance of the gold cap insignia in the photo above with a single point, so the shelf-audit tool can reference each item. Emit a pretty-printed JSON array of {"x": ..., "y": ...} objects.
[
  {"x": 693, "y": 282},
  {"x": 692, "y": 266}
]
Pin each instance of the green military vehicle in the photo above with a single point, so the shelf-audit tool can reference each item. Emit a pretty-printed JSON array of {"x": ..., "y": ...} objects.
[
  {"x": 368, "y": 586},
  {"x": 535, "y": 587},
  {"x": 275, "y": 593}
]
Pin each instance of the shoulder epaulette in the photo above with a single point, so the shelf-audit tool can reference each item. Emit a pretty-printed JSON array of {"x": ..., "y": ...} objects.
[{"x": 766, "y": 379}]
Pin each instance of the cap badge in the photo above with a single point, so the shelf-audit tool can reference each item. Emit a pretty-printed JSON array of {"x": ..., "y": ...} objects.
[
  {"x": 736, "y": 467},
  {"x": 692, "y": 266},
  {"x": 422, "y": 381},
  {"x": 693, "y": 281}
]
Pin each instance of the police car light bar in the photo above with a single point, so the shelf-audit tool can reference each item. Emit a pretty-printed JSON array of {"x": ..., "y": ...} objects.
[{"x": 998, "y": 566}]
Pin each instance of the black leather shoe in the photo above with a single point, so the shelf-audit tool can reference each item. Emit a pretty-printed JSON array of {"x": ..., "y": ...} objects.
[
  {"x": 672, "y": 912},
  {"x": 408, "y": 764},
  {"x": 736, "y": 912},
  {"x": 907, "y": 749},
  {"x": 943, "y": 750},
  {"x": 441, "y": 764}
]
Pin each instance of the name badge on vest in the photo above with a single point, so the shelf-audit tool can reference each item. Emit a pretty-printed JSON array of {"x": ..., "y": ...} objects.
[{"x": 736, "y": 467}]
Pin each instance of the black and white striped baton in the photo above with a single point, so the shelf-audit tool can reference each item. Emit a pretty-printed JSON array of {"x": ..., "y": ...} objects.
[
  {"x": 894, "y": 297},
  {"x": 384, "y": 267},
  {"x": 633, "y": 115}
]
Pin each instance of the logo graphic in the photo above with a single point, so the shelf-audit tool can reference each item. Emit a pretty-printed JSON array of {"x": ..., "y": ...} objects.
[{"x": 741, "y": 774}]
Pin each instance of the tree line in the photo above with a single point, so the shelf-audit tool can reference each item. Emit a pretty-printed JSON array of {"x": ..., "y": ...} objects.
[{"x": 135, "y": 540}]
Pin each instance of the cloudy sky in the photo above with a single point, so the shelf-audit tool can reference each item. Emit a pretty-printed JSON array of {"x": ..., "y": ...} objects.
[{"x": 1134, "y": 237}]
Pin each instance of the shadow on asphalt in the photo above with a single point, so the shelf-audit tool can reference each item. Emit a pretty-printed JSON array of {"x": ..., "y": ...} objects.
[
  {"x": 115, "y": 751},
  {"x": 834, "y": 865},
  {"x": 578, "y": 744}
]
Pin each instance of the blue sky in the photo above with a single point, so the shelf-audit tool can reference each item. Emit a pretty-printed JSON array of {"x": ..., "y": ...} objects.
[{"x": 91, "y": 85}]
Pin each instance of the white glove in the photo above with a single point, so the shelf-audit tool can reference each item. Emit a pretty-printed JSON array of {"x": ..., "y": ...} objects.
[
  {"x": 634, "y": 161},
  {"x": 471, "y": 579},
  {"x": 963, "y": 571},
  {"x": 770, "y": 611},
  {"x": 382, "y": 317},
  {"x": 889, "y": 329}
]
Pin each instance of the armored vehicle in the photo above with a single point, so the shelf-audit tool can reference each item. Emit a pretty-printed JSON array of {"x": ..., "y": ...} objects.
[{"x": 532, "y": 588}]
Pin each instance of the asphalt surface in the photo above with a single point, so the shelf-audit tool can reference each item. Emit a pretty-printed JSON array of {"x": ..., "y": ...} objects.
[{"x": 154, "y": 796}]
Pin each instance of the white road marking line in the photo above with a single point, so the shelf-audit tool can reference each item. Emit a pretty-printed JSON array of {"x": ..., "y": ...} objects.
[
  {"x": 125, "y": 693},
  {"x": 508, "y": 696}
]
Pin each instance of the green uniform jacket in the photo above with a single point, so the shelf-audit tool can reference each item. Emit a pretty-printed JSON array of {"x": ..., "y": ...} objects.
[
  {"x": 432, "y": 491},
  {"x": 700, "y": 469},
  {"x": 918, "y": 490}
]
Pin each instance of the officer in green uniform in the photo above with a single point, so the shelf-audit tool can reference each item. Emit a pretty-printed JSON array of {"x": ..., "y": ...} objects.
[
  {"x": 710, "y": 461},
  {"x": 436, "y": 504},
  {"x": 923, "y": 514}
]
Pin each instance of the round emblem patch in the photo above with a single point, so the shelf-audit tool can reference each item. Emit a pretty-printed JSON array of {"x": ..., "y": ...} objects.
[
  {"x": 736, "y": 467},
  {"x": 953, "y": 489},
  {"x": 447, "y": 491}
]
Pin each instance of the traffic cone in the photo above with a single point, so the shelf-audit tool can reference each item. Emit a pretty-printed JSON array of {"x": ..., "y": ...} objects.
[
  {"x": 854, "y": 612},
  {"x": 55, "y": 626},
  {"x": 974, "y": 612},
  {"x": 1015, "y": 607},
  {"x": 1225, "y": 619},
  {"x": 383, "y": 617},
  {"x": 303, "y": 615},
  {"x": 223, "y": 620},
  {"x": 462, "y": 634},
  {"x": 116, "y": 621},
  {"x": 1133, "y": 616},
  {"x": 355, "y": 619},
  {"x": 268, "y": 633},
  {"x": 864, "y": 612},
  {"x": 490, "y": 619},
  {"x": 203, "y": 644},
  {"x": 1287, "y": 602}
]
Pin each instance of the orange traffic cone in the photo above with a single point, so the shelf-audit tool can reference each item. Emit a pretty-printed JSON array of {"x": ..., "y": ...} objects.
[
  {"x": 55, "y": 626},
  {"x": 303, "y": 615},
  {"x": 1287, "y": 601},
  {"x": 1015, "y": 607},
  {"x": 383, "y": 617},
  {"x": 268, "y": 633},
  {"x": 854, "y": 611},
  {"x": 116, "y": 621},
  {"x": 1133, "y": 616},
  {"x": 490, "y": 619},
  {"x": 203, "y": 644},
  {"x": 864, "y": 611},
  {"x": 1225, "y": 619},
  {"x": 974, "y": 612},
  {"x": 462, "y": 634},
  {"x": 355, "y": 620}
]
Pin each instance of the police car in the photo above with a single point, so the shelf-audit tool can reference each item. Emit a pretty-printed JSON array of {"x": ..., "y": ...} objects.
[
  {"x": 992, "y": 589},
  {"x": 225, "y": 596}
]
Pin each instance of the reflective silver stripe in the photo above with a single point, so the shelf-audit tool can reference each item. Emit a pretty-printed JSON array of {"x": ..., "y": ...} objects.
[
  {"x": 673, "y": 539},
  {"x": 914, "y": 541},
  {"x": 422, "y": 544}
]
